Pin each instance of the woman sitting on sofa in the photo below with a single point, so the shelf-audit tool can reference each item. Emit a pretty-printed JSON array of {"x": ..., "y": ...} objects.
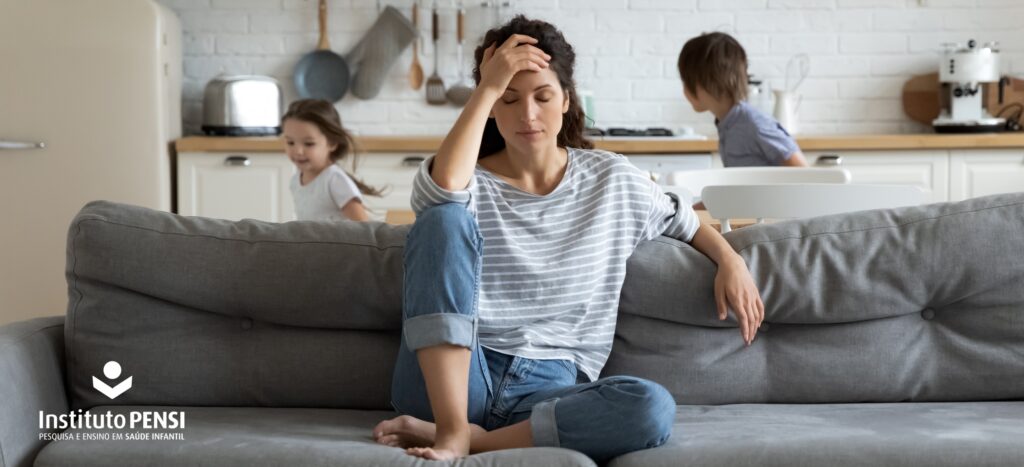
[{"x": 514, "y": 266}]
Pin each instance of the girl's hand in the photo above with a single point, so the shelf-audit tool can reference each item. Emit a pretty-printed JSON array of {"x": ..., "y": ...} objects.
[
  {"x": 735, "y": 288},
  {"x": 500, "y": 64}
]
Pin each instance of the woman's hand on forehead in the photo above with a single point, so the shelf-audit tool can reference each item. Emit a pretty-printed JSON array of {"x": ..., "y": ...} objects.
[{"x": 518, "y": 53}]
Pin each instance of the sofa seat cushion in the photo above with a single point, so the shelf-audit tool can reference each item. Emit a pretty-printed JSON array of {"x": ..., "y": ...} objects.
[
  {"x": 905, "y": 434},
  {"x": 933, "y": 434},
  {"x": 229, "y": 436}
]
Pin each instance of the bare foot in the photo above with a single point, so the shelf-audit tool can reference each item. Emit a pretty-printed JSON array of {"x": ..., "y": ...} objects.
[
  {"x": 447, "y": 446},
  {"x": 406, "y": 432},
  {"x": 435, "y": 454}
]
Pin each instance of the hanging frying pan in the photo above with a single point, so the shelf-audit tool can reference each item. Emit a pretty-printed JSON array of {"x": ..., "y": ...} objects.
[{"x": 322, "y": 74}]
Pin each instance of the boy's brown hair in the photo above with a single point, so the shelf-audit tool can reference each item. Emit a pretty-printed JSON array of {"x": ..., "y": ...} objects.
[{"x": 717, "y": 63}]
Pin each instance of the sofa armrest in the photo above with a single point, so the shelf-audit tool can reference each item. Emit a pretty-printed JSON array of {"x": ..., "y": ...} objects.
[{"x": 31, "y": 380}]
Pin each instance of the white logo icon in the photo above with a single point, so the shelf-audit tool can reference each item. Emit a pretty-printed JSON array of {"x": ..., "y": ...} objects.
[{"x": 112, "y": 370}]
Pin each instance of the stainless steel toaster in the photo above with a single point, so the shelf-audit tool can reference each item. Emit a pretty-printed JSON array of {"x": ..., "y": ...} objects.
[{"x": 242, "y": 105}]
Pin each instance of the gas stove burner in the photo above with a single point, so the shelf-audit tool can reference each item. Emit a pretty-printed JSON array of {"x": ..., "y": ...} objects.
[
  {"x": 624, "y": 132},
  {"x": 659, "y": 132},
  {"x": 619, "y": 131},
  {"x": 653, "y": 133}
]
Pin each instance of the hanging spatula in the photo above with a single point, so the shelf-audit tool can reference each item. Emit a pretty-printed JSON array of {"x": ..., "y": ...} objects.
[
  {"x": 435, "y": 85},
  {"x": 462, "y": 90}
]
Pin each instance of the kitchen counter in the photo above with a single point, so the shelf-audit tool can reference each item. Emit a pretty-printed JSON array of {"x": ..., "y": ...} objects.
[{"x": 649, "y": 146}]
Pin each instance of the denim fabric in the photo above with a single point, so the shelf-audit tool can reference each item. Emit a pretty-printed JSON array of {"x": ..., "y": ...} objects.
[{"x": 603, "y": 419}]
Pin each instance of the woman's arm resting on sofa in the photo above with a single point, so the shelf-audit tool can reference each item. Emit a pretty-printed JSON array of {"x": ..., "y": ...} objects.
[{"x": 734, "y": 287}]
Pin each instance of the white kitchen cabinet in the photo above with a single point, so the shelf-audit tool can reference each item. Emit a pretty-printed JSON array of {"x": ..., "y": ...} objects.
[
  {"x": 255, "y": 185},
  {"x": 235, "y": 186},
  {"x": 221, "y": 185},
  {"x": 391, "y": 171},
  {"x": 980, "y": 172},
  {"x": 928, "y": 170}
]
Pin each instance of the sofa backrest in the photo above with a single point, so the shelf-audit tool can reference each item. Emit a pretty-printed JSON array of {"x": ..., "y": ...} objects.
[
  {"x": 923, "y": 303},
  {"x": 913, "y": 304},
  {"x": 217, "y": 313}
]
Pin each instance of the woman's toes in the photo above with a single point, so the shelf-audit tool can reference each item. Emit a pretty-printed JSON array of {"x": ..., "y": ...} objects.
[
  {"x": 418, "y": 452},
  {"x": 387, "y": 427},
  {"x": 379, "y": 430}
]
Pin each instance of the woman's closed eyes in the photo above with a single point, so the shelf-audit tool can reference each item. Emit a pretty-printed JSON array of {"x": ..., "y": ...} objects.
[{"x": 512, "y": 99}]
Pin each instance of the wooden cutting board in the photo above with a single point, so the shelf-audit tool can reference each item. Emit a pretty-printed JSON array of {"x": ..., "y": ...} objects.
[
  {"x": 921, "y": 96},
  {"x": 1013, "y": 92}
]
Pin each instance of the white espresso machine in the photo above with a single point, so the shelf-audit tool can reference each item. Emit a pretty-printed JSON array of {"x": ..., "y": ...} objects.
[{"x": 963, "y": 73}]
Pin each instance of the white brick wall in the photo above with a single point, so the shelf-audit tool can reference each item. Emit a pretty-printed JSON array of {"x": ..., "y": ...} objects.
[{"x": 861, "y": 52}]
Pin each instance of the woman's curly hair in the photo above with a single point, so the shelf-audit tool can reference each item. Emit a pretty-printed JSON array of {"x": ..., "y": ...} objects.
[{"x": 563, "y": 62}]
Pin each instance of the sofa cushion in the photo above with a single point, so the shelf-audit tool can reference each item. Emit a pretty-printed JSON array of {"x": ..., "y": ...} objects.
[
  {"x": 252, "y": 437},
  {"x": 920, "y": 304},
  {"x": 214, "y": 312},
  {"x": 932, "y": 434},
  {"x": 912, "y": 304}
]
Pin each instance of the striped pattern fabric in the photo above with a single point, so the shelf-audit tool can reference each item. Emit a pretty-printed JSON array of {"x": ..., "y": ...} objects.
[{"x": 553, "y": 265}]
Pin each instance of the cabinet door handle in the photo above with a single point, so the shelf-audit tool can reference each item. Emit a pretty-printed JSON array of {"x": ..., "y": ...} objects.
[
  {"x": 237, "y": 161},
  {"x": 413, "y": 161},
  {"x": 20, "y": 145},
  {"x": 829, "y": 160}
]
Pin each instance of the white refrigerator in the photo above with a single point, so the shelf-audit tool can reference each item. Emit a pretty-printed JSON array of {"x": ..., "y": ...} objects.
[{"x": 90, "y": 101}]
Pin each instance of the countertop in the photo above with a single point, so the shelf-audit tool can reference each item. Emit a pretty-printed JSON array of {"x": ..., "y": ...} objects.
[{"x": 653, "y": 146}]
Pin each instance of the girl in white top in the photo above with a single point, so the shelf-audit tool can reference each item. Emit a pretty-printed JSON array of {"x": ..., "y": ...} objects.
[{"x": 315, "y": 141}]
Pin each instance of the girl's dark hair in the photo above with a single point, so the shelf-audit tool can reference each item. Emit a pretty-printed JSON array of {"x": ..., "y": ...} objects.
[
  {"x": 563, "y": 61},
  {"x": 716, "y": 62},
  {"x": 323, "y": 114}
]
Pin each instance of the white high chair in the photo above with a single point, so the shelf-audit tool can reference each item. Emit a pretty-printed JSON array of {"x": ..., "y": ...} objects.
[
  {"x": 796, "y": 200},
  {"x": 688, "y": 184}
]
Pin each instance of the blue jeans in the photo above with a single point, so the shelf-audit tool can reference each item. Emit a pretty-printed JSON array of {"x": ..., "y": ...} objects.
[{"x": 602, "y": 419}]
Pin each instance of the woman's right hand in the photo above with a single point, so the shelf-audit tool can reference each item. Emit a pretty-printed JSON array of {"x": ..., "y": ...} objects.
[
  {"x": 500, "y": 64},
  {"x": 457, "y": 157}
]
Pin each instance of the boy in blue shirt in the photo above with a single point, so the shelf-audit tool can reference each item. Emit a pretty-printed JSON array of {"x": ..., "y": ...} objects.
[{"x": 713, "y": 68}]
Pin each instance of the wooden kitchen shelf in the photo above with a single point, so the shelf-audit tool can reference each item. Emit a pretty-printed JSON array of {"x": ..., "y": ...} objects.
[{"x": 810, "y": 143}]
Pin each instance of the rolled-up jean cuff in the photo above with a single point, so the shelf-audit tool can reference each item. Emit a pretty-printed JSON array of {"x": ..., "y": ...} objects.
[
  {"x": 439, "y": 328},
  {"x": 543, "y": 425}
]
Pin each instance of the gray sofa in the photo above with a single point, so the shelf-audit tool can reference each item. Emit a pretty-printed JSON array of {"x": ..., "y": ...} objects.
[{"x": 892, "y": 337}]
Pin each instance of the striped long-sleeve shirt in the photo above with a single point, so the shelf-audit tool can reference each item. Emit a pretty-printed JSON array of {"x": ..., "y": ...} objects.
[{"x": 553, "y": 265}]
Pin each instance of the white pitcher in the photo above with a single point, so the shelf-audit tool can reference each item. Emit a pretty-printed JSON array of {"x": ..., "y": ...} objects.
[{"x": 787, "y": 104}]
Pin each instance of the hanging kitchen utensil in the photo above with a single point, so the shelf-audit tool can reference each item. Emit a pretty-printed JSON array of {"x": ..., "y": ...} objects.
[
  {"x": 377, "y": 52},
  {"x": 435, "y": 85},
  {"x": 415, "y": 70},
  {"x": 797, "y": 69},
  {"x": 322, "y": 74},
  {"x": 460, "y": 93}
]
